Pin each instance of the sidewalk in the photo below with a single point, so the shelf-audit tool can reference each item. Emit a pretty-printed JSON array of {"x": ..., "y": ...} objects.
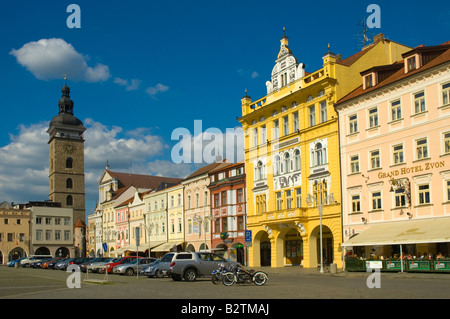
[{"x": 299, "y": 271}]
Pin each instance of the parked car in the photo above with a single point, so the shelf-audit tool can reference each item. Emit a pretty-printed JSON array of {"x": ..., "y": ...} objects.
[
  {"x": 38, "y": 263},
  {"x": 118, "y": 261},
  {"x": 97, "y": 266},
  {"x": 33, "y": 258},
  {"x": 52, "y": 264},
  {"x": 161, "y": 267},
  {"x": 62, "y": 265},
  {"x": 84, "y": 265},
  {"x": 132, "y": 267},
  {"x": 12, "y": 263},
  {"x": 191, "y": 265},
  {"x": 153, "y": 270}
]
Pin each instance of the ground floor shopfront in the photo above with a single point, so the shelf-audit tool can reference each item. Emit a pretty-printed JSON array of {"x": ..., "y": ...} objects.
[{"x": 286, "y": 238}]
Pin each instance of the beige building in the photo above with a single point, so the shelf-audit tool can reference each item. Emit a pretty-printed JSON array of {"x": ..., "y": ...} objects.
[
  {"x": 52, "y": 230},
  {"x": 14, "y": 233}
]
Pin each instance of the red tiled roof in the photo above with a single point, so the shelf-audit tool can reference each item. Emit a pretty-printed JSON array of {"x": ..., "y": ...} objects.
[
  {"x": 142, "y": 181},
  {"x": 397, "y": 76},
  {"x": 206, "y": 169}
]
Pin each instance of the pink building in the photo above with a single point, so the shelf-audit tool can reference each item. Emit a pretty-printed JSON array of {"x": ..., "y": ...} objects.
[
  {"x": 197, "y": 209},
  {"x": 395, "y": 157}
]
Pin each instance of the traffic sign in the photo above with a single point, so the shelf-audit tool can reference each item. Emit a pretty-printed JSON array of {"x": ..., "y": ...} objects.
[{"x": 248, "y": 236}]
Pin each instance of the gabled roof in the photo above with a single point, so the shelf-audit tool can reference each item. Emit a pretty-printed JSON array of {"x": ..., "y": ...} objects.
[
  {"x": 206, "y": 169},
  {"x": 142, "y": 181}
]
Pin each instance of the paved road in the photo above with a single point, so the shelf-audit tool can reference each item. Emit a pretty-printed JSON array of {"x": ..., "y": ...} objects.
[{"x": 285, "y": 283}]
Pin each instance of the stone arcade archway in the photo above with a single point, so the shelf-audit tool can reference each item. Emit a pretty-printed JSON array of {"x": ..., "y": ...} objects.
[
  {"x": 262, "y": 250},
  {"x": 327, "y": 246}
]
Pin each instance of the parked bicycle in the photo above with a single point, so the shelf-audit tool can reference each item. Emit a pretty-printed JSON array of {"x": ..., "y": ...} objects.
[
  {"x": 241, "y": 276},
  {"x": 218, "y": 273}
]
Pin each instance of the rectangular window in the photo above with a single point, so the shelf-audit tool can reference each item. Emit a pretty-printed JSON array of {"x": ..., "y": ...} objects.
[
  {"x": 375, "y": 159},
  {"x": 241, "y": 223},
  {"x": 397, "y": 154},
  {"x": 240, "y": 195},
  {"x": 224, "y": 224},
  {"x": 447, "y": 143},
  {"x": 66, "y": 221},
  {"x": 376, "y": 200},
  {"x": 373, "y": 117},
  {"x": 5, "y": 221},
  {"x": 446, "y": 94},
  {"x": 298, "y": 197},
  {"x": 396, "y": 110},
  {"x": 312, "y": 115},
  {"x": 57, "y": 221},
  {"x": 323, "y": 111},
  {"x": 288, "y": 199},
  {"x": 353, "y": 124},
  {"x": 400, "y": 198},
  {"x": 356, "y": 204},
  {"x": 285, "y": 125},
  {"x": 38, "y": 234},
  {"x": 296, "y": 123},
  {"x": 419, "y": 102},
  {"x": 217, "y": 225},
  {"x": 448, "y": 191},
  {"x": 276, "y": 129},
  {"x": 411, "y": 62},
  {"x": 424, "y": 194},
  {"x": 279, "y": 200},
  {"x": 179, "y": 200},
  {"x": 38, "y": 220},
  {"x": 216, "y": 200},
  {"x": 255, "y": 137},
  {"x": 189, "y": 226},
  {"x": 57, "y": 235},
  {"x": 368, "y": 80},
  {"x": 48, "y": 235},
  {"x": 354, "y": 164},
  {"x": 421, "y": 148},
  {"x": 224, "y": 198},
  {"x": 66, "y": 235},
  {"x": 10, "y": 236}
]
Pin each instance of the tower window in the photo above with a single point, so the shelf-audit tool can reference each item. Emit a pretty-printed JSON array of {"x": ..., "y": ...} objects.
[
  {"x": 69, "y": 200},
  {"x": 69, "y": 162},
  {"x": 69, "y": 183}
]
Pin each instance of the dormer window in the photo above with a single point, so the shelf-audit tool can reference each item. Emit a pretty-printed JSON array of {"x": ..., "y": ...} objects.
[
  {"x": 368, "y": 80},
  {"x": 411, "y": 63}
]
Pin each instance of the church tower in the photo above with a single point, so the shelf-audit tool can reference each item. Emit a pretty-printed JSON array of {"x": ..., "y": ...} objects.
[{"x": 66, "y": 156}]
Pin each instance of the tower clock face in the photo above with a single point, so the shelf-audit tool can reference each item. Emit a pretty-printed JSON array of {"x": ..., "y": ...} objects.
[{"x": 69, "y": 148}]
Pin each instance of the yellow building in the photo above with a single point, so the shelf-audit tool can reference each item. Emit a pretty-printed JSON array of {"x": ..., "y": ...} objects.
[{"x": 292, "y": 156}]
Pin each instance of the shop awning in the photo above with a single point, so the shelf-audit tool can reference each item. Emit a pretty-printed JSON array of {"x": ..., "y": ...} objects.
[
  {"x": 167, "y": 246},
  {"x": 435, "y": 230},
  {"x": 141, "y": 248}
]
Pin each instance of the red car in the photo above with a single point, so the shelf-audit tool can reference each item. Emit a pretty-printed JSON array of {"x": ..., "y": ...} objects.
[{"x": 118, "y": 261}]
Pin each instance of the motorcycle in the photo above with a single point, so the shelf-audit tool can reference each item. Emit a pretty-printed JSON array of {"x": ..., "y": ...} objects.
[
  {"x": 241, "y": 276},
  {"x": 218, "y": 273}
]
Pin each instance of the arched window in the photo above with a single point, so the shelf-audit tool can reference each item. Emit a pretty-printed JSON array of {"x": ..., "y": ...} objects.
[
  {"x": 69, "y": 200},
  {"x": 259, "y": 172},
  {"x": 69, "y": 162},
  {"x": 297, "y": 163},
  {"x": 318, "y": 154},
  {"x": 276, "y": 165},
  {"x": 310, "y": 98},
  {"x": 287, "y": 163},
  {"x": 69, "y": 183}
]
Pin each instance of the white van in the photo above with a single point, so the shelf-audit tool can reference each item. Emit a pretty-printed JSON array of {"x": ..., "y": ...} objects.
[{"x": 31, "y": 259}]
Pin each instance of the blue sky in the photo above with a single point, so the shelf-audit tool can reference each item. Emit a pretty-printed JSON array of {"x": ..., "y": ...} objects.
[{"x": 144, "y": 68}]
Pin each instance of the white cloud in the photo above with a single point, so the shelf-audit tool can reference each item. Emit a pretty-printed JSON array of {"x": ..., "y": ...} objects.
[
  {"x": 248, "y": 73},
  {"x": 131, "y": 85},
  {"x": 158, "y": 88},
  {"x": 50, "y": 59},
  {"x": 24, "y": 169},
  {"x": 255, "y": 75}
]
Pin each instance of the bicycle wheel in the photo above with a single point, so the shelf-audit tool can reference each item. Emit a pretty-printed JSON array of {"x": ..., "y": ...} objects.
[
  {"x": 216, "y": 279},
  {"x": 259, "y": 278},
  {"x": 228, "y": 279}
]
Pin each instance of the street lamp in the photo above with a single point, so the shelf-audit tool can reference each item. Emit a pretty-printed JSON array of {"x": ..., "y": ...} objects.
[
  {"x": 310, "y": 200},
  {"x": 202, "y": 220}
]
